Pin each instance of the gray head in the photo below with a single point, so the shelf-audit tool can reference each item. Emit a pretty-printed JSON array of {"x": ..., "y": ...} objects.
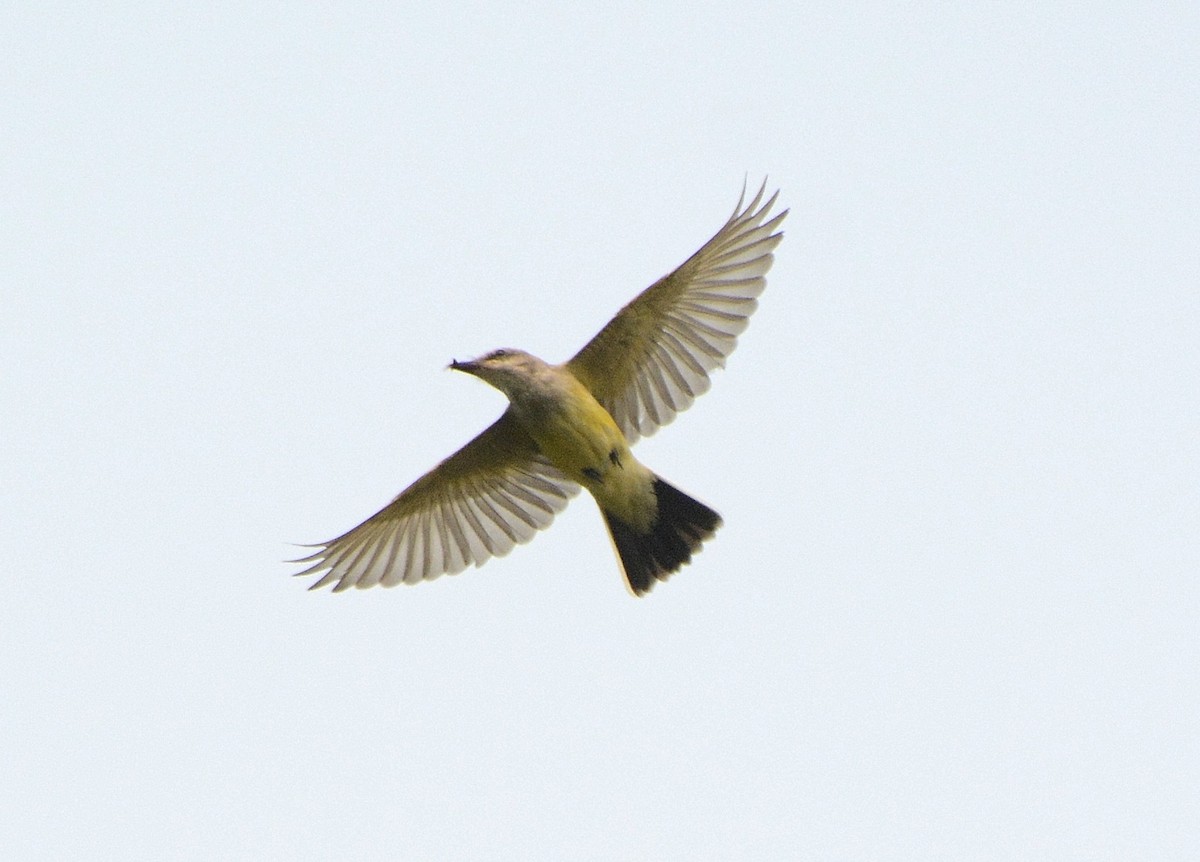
[{"x": 509, "y": 370}]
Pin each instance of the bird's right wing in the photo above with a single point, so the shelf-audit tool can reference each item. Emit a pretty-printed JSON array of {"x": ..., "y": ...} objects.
[
  {"x": 488, "y": 496},
  {"x": 653, "y": 359}
]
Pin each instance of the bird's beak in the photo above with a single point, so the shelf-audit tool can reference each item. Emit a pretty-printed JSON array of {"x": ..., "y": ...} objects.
[{"x": 466, "y": 367}]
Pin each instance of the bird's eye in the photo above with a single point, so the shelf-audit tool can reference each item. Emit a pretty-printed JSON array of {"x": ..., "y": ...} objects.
[{"x": 501, "y": 353}]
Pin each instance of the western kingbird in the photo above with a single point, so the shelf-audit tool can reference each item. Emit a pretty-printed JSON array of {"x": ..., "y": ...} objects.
[{"x": 571, "y": 425}]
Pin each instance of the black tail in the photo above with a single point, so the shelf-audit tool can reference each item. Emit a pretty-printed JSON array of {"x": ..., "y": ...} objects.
[{"x": 681, "y": 526}]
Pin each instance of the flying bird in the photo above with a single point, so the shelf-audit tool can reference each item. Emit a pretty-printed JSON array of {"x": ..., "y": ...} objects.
[{"x": 571, "y": 425}]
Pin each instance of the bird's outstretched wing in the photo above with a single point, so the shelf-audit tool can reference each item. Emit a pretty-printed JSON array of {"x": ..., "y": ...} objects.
[
  {"x": 652, "y": 360},
  {"x": 488, "y": 496}
]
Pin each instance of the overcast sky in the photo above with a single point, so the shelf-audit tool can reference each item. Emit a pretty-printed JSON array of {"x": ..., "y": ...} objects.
[{"x": 952, "y": 613}]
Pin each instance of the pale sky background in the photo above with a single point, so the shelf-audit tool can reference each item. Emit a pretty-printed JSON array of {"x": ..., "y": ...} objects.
[{"x": 953, "y": 613}]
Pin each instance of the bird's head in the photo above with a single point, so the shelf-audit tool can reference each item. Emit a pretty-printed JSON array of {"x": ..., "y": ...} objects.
[{"x": 511, "y": 371}]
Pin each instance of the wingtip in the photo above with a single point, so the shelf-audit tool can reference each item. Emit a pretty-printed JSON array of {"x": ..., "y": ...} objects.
[
  {"x": 756, "y": 209},
  {"x": 316, "y": 555},
  {"x": 741, "y": 196}
]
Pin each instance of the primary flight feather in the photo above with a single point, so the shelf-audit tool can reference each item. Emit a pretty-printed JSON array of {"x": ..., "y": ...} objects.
[{"x": 571, "y": 425}]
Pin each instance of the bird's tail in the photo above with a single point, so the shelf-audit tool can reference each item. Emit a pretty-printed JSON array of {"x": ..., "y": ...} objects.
[{"x": 680, "y": 527}]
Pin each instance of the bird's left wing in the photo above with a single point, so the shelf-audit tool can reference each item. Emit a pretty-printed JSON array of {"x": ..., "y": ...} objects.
[
  {"x": 653, "y": 359},
  {"x": 488, "y": 496}
]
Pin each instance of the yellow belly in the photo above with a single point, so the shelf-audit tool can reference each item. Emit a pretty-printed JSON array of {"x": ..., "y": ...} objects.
[
  {"x": 576, "y": 433},
  {"x": 579, "y": 437}
]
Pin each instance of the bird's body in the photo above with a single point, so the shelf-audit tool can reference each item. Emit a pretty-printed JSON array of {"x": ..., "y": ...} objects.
[
  {"x": 654, "y": 526},
  {"x": 572, "y": 431},
  {"x": 570, "y": 426}
]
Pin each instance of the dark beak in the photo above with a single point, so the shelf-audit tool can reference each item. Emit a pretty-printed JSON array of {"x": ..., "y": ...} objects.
[{"x": 467, "y": 367}]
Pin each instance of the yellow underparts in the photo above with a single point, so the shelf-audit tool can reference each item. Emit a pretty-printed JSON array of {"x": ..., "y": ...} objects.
[{"x": 580, "y": 438}]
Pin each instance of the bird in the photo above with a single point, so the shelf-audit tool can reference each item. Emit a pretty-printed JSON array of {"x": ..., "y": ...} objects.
[{"x": 571, "y": 426}]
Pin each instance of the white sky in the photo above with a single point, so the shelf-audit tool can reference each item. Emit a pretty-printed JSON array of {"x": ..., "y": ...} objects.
[{"x": 952, "y": 614}]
